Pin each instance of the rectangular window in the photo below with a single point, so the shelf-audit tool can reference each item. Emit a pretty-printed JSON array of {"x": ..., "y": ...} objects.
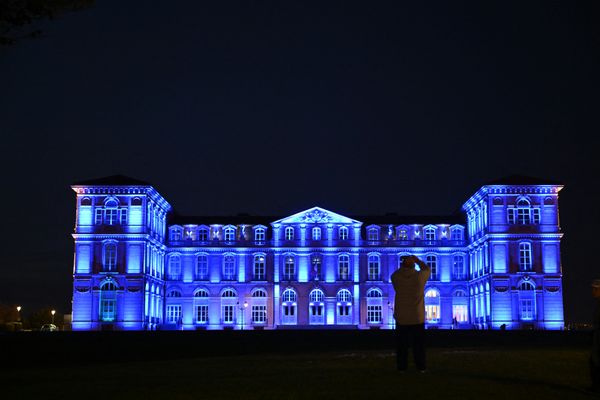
[
  {"x": 202, "y": 314},
  {"x": 432, "y": 312},
  {"x": 456, "y": 234},
  {"x": 523, "y": 216},
  {"x": 107, "y": 310},
  {"x": 173, "y": 314},
  {"x": 110, "y": 216},
  {"x": 202, "y": 267},
  {"x": 527, "y": 309},
  {"x": 259, "y": 314},
  {"x": 203, "y": 235},
  {"x": 511, "y": 213},
  {"x": 259, "y": 235},
  {"x": 460, "y": 312},
  {"x": 98, "y": 219},
  {"x": 525, "y": 257},
  {"x": 373, "y": 235},
  {"x": 227, "y": 314},
  {"x": 536, "y": 215},
  {"x": 374, "y": 315},
  {"x": 123, "y": 216}
]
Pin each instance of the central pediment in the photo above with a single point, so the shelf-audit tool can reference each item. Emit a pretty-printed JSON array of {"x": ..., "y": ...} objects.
[{"x": 317, "y": 215}]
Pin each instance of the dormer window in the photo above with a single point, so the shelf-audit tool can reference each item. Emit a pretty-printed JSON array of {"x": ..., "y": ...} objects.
[
  {"x": 259, "y": 235},
  {"x": 316, "y": 233},
  {"x": 229, "y": 234},
  {"x": 343, "y": 233},
  {"x": 175, "y": 234},
  {"x": 430, "y": 233},
  {"x": 456, "y": 234},
  {"x": 289, "y": 233},
  {"x": 402, "y": 234},
  {"x": 203, "y": 234},
  {"x": 372, "y": 234}
]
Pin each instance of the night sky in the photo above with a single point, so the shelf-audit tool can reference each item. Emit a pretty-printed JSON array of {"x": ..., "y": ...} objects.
[{"x": 252, "y": 107}]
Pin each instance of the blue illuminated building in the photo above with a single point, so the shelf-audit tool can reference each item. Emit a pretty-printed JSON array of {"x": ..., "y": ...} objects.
[{"x": 140, "y": 266}]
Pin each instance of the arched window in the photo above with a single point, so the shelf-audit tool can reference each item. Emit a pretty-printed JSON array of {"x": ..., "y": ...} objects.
[
  {"x": 288, "y": 307},
  {"x": 110, "y": 257},
  {"x": 431, "y": 260},
  {"x": 316, "y": 307},
  {"x": 175, "y": 267},
  {"x": 202, "y": 267},
  {"x": 201, "y": 293},
  {"x": 136, "y": 201},
  {"x": 201, "y": 304},
  {"x": 460, "y": 307},
  {"x": 108, "y": 301},
  {"x": 343, "y": 267},
  {"x": 228, "y": 304},
  {"x": 343, "y": 233},
  {"x": 289, "y": 268},
  {"x": 374, "y": 293},
  {"x": 374, "y": 306},
  {"x": 229, "y": 267},
  {"x": 526, "y": 286},
  {"x": 111, "y": 212},
  {"x": 176, "y": 234},
  {"x": 316, "y": 233},
  {"x": 432, "y": 305},
  {"x": 203, "y": 234},
  {"x": 456, "y": 233},
  {"x": 259, "y": 293},
  {"x": 289, "y": 233},
  {"x": 527, "y": 301},
  {"x": 86, "y": 201},
  {"x": 259, "y": 235},
  {"x": 229, "y": 293},
  {"x": 430, "y": 233},
  {"x": 374, "y": 270},
  {"x": 525, "y": 256},
  {"x": 372, "y": 234},
  {"x": 344, "y": 295},
  {"x": 458, "y": 267},
  {"x": 259, "y": 271},
  {"x": 229, "y": 233},
  {"x": 174, "y": 293},
  {"x": 344, "y": 307}
]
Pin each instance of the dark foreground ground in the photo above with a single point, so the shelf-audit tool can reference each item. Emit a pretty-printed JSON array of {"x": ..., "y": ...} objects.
[{"x": 291, "y": 365}]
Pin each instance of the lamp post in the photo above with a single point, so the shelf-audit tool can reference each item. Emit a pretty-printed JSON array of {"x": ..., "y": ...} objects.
[
  {"x": 243, "y": 311},
  {"x": 19, "y": 312},
  {"x": 53, "y": 312}
]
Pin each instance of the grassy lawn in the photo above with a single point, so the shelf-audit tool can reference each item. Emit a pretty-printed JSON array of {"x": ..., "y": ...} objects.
[{"x": 454, "y": 373}]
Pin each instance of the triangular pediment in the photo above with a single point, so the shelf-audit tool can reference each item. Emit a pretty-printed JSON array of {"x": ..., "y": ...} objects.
[{"x": 317, "y": 215}]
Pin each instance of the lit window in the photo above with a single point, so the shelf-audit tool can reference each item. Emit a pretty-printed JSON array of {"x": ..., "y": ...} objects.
[
  {"x": 343, "y": 267},
  {"x": 430, "y": 234},
  {"x": 259, "y": 267},
  {"x": 432, "y": 306},
  {"x": 402, "y": 234},
  {"x": 525, "y": 256},
  {"x": 374, "y": 271},
  {"x": 316, "y": 233},
  {"x": 460, "y": 313},
  {"x": 229, "y": 234},
  {"x": 343, "y": 233},
  {"x": 108, "y": 301},
  {"x": 289, "y": 233}
]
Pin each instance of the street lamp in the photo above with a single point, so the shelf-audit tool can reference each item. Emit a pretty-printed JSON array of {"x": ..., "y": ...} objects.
[
  {"x": 243, "y": 311},
  {"x": 53, "y": 312},
  {"x": 19, "y": 311}
]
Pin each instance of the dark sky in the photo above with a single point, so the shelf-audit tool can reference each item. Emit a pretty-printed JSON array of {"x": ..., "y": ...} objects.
[{"x": 358, "y": 107}]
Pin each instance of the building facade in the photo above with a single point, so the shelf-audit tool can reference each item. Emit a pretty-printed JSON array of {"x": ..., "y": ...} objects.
[{"x": 138, "y": 265}]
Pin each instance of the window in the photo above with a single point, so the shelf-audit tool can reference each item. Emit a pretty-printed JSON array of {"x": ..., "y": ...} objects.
[
  {"x": 288, "y": 307},
  {"x": 289, "y": 295},
  {"x": 202, "y": 267},
  {"x": 174, "y": 293},
  {"x": 373, "y": 234},
  {"x": 108, "y": 301},
  {"x": 228, "y": 267},
  {"x": 344, "y": 295},
  {"x": 202, "y": 313},
  {"x": 344, "y": 307},
  {"x": 175, "y": 267},
  {"x": 316, "y": 295},
  {"x": 525, "y": 257},
  {"x": 98, "y": 216},
  {"x": 523, "y": 212},
  {"x": 460, "y": 313},
  {"x": 432, "y": 306},
  {"x": 430, "y": 234},
  {"x": 259, "y": 314},
  {"x": 123, "y": 220},
  {"x": 456, "y": 234},
  {"x": 136, "y": 201},
  {"x": 374, "y": 271},
  {"x": 316, "y": 314},
  {"x": 201, "y": 293},
  {"x": 526, "y": 286},
  {"x": 259, "y": 235},
  {"x": 259, "y": 293},
  {"x": 175, "y": 234},
  {"x": 227, "y": 313},
  {"x": 86, "y": 201},
  {"x": 431, "y": 260},
  {"x": 110, "y": 257},
  {"x": 316, "y": 233},
  {"x": 458, "y": 267},
  {"x": 343, "y": 267},
  {"x": 374, "y": 293},
  {"x": 402, "y": 234},
  {"x": 289, "y": 268},
  {"x": 536, "y": 215},
  {"x": 374, "y": 315},
  {"x": 228, "y": 293},
  {"x": 343, "y": 233},
  {"x": 203, "y": 234},
  {"x": 259, "y": 267},
  {"x": 289, "y": 233},
  {"x": 110, "y": 216},
  {"x": 229, "y": 234},
  {"x": 173, "y": 313},
  {"x": 526, "y": 309}
]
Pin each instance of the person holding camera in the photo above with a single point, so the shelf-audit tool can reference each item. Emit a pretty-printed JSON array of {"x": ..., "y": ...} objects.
[{"x": 409, "y": 311}]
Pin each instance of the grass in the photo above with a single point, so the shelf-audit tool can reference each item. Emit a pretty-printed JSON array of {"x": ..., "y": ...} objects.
[{"x": 455, "y": 373}]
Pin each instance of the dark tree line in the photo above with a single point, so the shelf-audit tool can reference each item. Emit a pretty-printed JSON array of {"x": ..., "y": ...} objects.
[{"x": 18, "y": 17}]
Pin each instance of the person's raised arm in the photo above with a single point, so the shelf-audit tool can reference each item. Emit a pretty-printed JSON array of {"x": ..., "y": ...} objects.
[{"x": 425, "y": 271}]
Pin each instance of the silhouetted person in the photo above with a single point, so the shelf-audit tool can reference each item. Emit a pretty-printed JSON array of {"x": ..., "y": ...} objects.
[
  {"x": 595, "y": 356},
  {"x": 409, "y": 311}
]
